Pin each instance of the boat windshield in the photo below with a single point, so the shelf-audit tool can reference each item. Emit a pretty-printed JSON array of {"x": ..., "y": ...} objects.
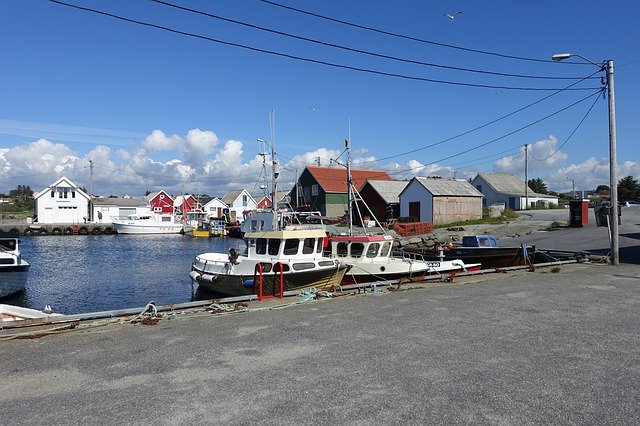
[
  {"x": 291, "y": 246},
  {"x": 372, "y": 251}
]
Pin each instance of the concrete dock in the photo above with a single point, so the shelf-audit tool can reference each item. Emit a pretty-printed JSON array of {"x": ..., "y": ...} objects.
[{"x": 549, "y": 346}]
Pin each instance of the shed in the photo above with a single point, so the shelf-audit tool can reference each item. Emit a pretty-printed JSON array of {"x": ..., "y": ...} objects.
[
  {"x": 111, "y": 208},
  {"x": 62, "y": 202},
  {"x": 509, "y": 190},
  {"x": 382, "y": 197},
  {"x": 440, "y": 200}
]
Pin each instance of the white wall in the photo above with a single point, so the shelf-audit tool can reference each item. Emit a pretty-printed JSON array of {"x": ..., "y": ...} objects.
[
  {"x": 415, "y": 192},
  {"x": 61, "y": 208}
]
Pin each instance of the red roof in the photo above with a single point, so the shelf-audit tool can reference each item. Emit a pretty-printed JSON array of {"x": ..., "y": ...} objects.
[{"x": 334, "y": 179}]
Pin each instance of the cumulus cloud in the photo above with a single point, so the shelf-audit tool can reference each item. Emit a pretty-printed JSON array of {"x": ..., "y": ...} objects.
[
  {"x": 159, "y": 141},
  {"x": 198, "y": 145}
]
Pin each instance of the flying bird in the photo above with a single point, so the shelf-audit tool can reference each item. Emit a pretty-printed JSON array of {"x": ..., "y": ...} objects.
[{"x": 451, "y": 16}]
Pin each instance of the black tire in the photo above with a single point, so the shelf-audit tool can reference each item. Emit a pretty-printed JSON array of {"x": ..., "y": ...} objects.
[
  {"x": 68, "y": 231},
  {"x": 83, "y": 230},
  {"x": 28, "y": 232},
  {"x": 42, "y": 232},
  {"x": 96, "y": 231},
  {"x": 56, "y": 231},
  {"x": 108, "y": 230},
  {"x": 15, "y": 231}
]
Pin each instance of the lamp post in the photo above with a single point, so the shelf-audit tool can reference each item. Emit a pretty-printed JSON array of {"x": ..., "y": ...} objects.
[
  {"x": 607, "y": 66},
  {"x": 573, "y": 188}
]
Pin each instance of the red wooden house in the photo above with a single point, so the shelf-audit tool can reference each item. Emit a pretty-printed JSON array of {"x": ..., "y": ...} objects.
[
  {"x": 161, "y": 202},
  {"x": 190, "y": 204}
]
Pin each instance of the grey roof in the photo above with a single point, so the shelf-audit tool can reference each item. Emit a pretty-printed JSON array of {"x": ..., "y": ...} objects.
[
  {"x": 449, "y": 187},
  {"x": 506, "y": 183},
  {"x": 122, "y": 202},
  {"x": 389, "y": 190},
  {"x": 231, "y": 196}
]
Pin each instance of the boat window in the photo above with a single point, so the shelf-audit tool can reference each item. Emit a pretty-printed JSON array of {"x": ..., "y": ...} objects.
[
  {"x": 386, "y": 247},
  {"x": 308, "y": 245},
  {"x": 303, "y": 265},
  {"x": 357, "y": 249},
  {"x": 274, "y": 246},
  {"x": 320, "y": 245},
  {"x": 291, "y": 246},
  {"x": 341, "y": 249},
  {"x": 261, "y": 245},
  {"x": 266, "y": 267},
  {"x": 372, "y": 251},
  {"x": 326, "y": 263}
]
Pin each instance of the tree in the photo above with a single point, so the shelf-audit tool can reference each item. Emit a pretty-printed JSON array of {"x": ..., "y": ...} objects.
[
  {"x": 628, "y": 188},
  {"x": 537, "y": 185},
  {"x": 21, "y": 190},
  {"x": 602, "y": 190}
]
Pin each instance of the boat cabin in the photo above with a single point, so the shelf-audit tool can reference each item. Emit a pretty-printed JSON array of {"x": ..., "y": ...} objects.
[
  {"x": 346, "y": 248},
  {"x": 9, "y": 252},
  {"x": 480, "y": 241}
]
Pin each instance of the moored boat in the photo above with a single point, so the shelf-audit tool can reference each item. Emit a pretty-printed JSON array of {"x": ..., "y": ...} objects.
[
  {"x": 291, "y": 257},
  {"x": 13, "y": 268},
  {"x": 147, "y": 224}
]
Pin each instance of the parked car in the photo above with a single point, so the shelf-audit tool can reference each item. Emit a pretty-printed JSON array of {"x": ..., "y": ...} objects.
[{"x": 630, "y": 203}]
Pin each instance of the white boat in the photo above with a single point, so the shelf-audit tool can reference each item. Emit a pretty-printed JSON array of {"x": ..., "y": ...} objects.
[
  {"x": 147, "y": 224},
  {"x": 11, "y": 313},
  {"x": 288, "y": 259},
  {"x": 370, "y": 257},
  {"x": 13, "y": 268}
]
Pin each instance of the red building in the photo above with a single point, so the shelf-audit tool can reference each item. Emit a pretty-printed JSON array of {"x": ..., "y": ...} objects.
[{"x": 161, "y": 203}]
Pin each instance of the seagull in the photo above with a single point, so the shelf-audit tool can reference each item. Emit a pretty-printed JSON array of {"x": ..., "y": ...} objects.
[
  {"x": 451, "y": 16},
  {"x": 313, "y": 109}
]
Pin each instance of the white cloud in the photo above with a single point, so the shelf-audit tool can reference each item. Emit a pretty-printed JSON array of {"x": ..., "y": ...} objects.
[
  {"x": 198, "y": 145},
  {"x": 159, "y": 141}
]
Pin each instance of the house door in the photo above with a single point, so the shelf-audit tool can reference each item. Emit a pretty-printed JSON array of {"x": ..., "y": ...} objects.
[
  {"x": 414, "y": 210},
  {"x": 512, "y": 203}
]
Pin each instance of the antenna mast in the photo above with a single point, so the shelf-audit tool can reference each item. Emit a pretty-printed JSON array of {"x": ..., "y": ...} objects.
[{"x": 275, "y": 169}]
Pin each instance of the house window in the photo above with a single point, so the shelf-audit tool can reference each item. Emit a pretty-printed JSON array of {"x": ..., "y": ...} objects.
[
  {"x": 53, "y": 193},
  {"x": 314, "y": 189},
  {"x": 157, "y": 209},
  {"x": 244, "y": 201},
  {"x": 73, "y": 194}
]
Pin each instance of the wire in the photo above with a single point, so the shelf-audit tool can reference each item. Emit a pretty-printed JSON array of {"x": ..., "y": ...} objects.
[
  {"x": 406, "y": 37},
  {"x": 364, "y": 52},
  {"x": 570, "y": 135},
  {"x": 303, "y": 59}
]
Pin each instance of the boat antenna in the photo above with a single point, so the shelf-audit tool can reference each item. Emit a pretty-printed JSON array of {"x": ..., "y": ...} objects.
[
  {"x": 349, "y": 195},
  {"x": 275, "y": 168}
]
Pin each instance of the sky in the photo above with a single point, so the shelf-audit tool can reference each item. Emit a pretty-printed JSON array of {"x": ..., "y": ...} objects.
[{"x": 130, "y": 97}]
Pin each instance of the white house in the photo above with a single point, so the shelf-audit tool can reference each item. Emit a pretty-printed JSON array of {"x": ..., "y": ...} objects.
[
  {"x": 62, "y": 202},
  {"x": 440, "y": 201},
  {"x": 105, "y": 209},
  {"x": 510, "y": 191},
  {"x": 215, "y": 207},
  {"x": 239, "y": 201}
]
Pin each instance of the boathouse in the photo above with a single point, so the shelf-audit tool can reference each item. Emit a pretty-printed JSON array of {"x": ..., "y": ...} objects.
[
  {"x": 382, "y": 197},
  {"x": 161, "y": 202},
  {"x": 440, "y": 200},
  {"x": 324, "y": 189},
  {"x": 239, "y": 201},
  {"x": 61, "y": 202},
  {"x": 510, "y": 191},
  {"x": 104, "y": 210}
]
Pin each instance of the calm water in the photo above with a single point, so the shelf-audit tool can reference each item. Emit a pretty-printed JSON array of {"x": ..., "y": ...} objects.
[{"x": 77, "y": 274}]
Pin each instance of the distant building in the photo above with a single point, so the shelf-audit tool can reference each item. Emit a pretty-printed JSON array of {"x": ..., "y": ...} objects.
[
  {"x": 510, "y": 191},
  {"x": 214, "y": 207},
  {"x": 382, "y": 197},
  {"x": 264, "y": 202},
  {"x": 104, "y": 210},
  {"x": 324, "y": 189},
  {"x": 161, "y": 202},
  {"x": 440, "y": 201},
  {"x": 62, "y": 202},
  {"x": 239, "y": 201}
]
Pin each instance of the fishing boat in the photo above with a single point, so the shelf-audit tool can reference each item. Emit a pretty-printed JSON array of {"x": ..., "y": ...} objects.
[
  {"x": 147, "y": 224},
  {"x": 484, "y": 249},
  {"x": 290, "y": 259},
  {"x": 12, "y": 313},
  {"x": 13, "y": 268},
  {"x": 370, "y": 257}
]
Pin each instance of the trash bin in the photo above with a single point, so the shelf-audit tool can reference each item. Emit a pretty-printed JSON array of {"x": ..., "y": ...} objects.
[{"x": 579, "y": 213}]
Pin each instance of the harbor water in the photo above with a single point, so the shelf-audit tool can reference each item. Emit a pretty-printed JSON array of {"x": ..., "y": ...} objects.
[{"x": 79, "y": 274}]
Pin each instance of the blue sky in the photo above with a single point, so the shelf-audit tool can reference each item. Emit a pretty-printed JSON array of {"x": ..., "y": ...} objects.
[{"x": 154, "y": 109}]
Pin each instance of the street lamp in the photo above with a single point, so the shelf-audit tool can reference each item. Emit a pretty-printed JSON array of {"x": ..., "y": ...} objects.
[
  {"x": 607, "y": 66},
  {"x": 573, "y": 188}
]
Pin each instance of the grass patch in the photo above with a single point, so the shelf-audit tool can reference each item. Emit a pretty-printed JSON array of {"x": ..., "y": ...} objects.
[
  {"x": 506, "y": 216},
  {"x": 555, "y": 270}
]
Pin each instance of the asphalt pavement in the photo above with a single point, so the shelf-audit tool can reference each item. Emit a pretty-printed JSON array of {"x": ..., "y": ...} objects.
[{"x": 556, "y": 345}]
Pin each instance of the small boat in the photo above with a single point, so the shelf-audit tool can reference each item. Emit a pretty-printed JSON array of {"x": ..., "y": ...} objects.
[
  {"x": 483, "y": 249},
  {"x": 147, "y": 224},
  {"x": 291, "y": 258},
  {"x": 12, "y": 313},
  {"x": 13, "y": 268},
  {"x": 371, "y": 260}
]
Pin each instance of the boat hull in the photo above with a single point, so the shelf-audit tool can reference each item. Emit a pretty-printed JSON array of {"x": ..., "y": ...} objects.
[
  {"x": 136, "y": 228},
  {"x": 488, "y": 257},
  {"x": 13, "y": 278},
  {"x": 230, "y": 285},
  {"x": 363, "y": 273}
]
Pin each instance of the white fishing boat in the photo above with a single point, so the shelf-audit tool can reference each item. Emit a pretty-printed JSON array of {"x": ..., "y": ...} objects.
[
  {"x": 290, "y": 259},
  {"x": 147, "y": 224},
  {"x": 13, "y": 268},
  {"x": 370, "y": 257},
  {"x": 11, "y": 313}
]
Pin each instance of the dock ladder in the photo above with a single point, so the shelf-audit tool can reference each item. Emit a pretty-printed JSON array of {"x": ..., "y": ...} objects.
[{"x": 258, "y": 279}]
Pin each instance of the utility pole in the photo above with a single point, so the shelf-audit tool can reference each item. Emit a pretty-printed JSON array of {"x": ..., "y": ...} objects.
[
  {"x": 526, "y": 174},
  {"x": 613, "y": 167}
]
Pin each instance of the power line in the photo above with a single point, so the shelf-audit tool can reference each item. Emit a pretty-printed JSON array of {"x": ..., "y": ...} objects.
[
  {"x": 354, "y": 50},
  {"x": 303, "y": 59},
  {"x": 406, "y": 37}
]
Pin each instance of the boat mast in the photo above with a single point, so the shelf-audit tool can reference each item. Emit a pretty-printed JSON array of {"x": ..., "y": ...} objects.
[
  {"x": 349, "y": 194},
  {"x": 274, "y": 168}
]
